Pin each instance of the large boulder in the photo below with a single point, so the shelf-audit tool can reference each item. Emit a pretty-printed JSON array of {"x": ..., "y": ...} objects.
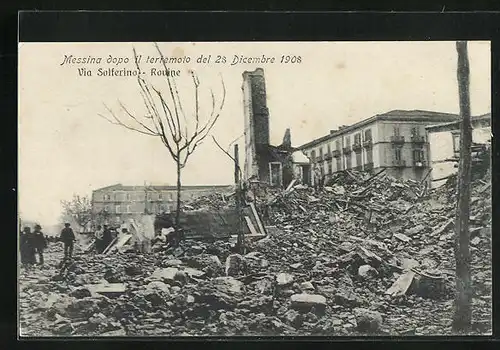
[
  {"x": 210, "y": 264},
  {"x": 367, "y": 272},
  {"x": 164, "y": 274},
  {"x": 308, "y": 301},
  {"x": 220, "y": 293},
  {"x": 367, "y": 320},
  {"x": 284, "y": 279}
]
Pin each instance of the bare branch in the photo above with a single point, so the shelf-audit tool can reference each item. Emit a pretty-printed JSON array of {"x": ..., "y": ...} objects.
[
  {"x": 134, "y": 118},
  {"x": 197, "y": 137},
  {"x": 172, "y": 94},
  {"x": 120, "y": 123},
  {"x": 227, "y": 153}
]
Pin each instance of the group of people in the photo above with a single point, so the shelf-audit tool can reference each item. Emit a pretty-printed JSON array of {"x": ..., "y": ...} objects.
[{"x": 33, "y": 243}]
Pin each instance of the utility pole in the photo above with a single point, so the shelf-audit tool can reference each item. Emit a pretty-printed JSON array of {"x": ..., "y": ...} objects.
[
  {"x": 145, "y": 198},
  {"x": 463, "y": 299},
  {"x": 239, "y": 198}
]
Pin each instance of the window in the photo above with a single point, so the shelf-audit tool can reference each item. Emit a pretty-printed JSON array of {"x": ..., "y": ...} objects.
[
  {"x": 128, "y": 208},
  {"x": 313, "y": 156},
  {"x": 171, "y": 196},
  {"x": 368, "y": 135},
  {"x": 329, "y": 149},
  {"x": 397, "y": 154},
  {"x": 321, "y": 153},
  {"x": 369, "y": 155},
  {"x": 415, "y": 131},
  {"x": 115, "y": 196},
  {"x": 275, "y": 174},
  {"x": 397, "y": 132},
  {"x": 358, "y": 159},
  {"x": 337, "y": 145},
  {"x": 339, "y": 164},
  {"x": 160, "y": 196},
  {"x": 357, "y": 139},
  {"x": 456, "y": 142},
  {"x": 347, "y": 141},
  {"x": 418, "y": 155},
  {"x": 348, "y": 164},
  {"x": 118, "y": 209},
  {"x": 330, "y": 167},
  {"x": 107, "y": 197},
  {"x": 106, "y": 208}
]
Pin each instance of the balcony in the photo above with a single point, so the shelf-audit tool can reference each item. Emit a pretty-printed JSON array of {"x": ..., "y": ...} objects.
[
  {"x": 328, "y": 156},
  {"x": 336, "y": 153},
  {"x": 358, "y": 168},
  {"x": 397, "y": 139},
  {"x": 346, "y": 149},
  {"x": 401, "y": 163},
  {"x": 418, "y": 139},
  {"x": 367, "y": 143},
  {"x": 319, "y": 159},
  {"x": 356, "y": 147},
  {"x": 419, "y": 163}
]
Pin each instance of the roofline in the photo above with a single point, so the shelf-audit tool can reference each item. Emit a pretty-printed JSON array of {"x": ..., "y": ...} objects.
[
  {"x": 477, "y": 118},
  {"x": 426, "y": 115},
  {"x": 161, "y": 187}
]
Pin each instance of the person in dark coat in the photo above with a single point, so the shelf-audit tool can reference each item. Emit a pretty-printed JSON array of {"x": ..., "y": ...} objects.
[
  {"x": 39, "y": 243},
  {"x": 68, "y": 237},
  {"x": 99, "y": 235},
  {"x": 27, "y": 247},
  {"x": 107, "y": 237}
]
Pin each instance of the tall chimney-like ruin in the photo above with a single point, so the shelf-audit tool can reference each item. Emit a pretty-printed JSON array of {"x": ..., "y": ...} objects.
[{"x": 256, "y": 116}]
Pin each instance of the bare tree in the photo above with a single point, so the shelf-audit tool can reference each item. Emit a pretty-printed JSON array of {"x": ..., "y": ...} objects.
[
  {"x": 463, "y": 298},
  {"x": 79, "y": 209},
  {"x": 167, "y": 120}
]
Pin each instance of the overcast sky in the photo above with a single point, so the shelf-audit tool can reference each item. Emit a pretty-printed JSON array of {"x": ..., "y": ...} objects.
[{"x": 66, "y": 148}]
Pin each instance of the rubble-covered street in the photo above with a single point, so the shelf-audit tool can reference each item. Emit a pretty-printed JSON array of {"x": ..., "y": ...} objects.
[{"x": 366, "y": 255}]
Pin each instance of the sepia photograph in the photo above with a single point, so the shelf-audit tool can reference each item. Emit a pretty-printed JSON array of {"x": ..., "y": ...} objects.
[{"x": 216, "y": 189}]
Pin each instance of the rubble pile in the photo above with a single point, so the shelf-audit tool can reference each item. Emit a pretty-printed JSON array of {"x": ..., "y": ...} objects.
[
  {"x": 213, "y": 201},
  {"x": 365, "y": 255}
]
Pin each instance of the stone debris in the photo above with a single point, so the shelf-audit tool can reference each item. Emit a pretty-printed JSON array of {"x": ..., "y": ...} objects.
[{"x": 366, "y": 254}]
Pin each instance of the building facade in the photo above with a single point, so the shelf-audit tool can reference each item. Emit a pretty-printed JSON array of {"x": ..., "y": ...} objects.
[
  {"x": 444, "y": 141},
  {"x": 117, "y": 203},
  {"x": 395, "y": 140}
]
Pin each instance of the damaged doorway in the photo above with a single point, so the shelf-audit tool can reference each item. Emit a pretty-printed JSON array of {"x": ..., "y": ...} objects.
[
  {"x": 306, "y": 175},
  {"x": 275, "y": 174}
]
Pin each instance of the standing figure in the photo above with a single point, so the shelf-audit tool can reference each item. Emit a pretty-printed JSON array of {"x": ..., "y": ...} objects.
[
  {"x": 99, "y": 235},
  {"x": 317, "y": 177},
  {"x": 27, "y": 247},
  {"x": 106, "y": 237},
  {"x": 39, "y": 243},
  {"x": 68, "y": 237}
]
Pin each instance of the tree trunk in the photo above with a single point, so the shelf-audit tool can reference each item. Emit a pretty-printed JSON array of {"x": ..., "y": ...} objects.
[
  {"x": 239, "y": 201},
  {"x": 463, "y": 297},
  {"x": 178, "y": 208}
]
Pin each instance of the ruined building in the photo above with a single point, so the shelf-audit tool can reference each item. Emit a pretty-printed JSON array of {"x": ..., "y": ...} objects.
[{"x": 269, "y": 164}]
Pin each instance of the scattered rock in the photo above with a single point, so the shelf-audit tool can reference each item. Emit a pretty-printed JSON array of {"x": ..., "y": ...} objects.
[
  {"x": 307, "y": 301},
  {"x": 80, "y": 293},
  {"x": 367, "y": 320},
  {"x": 284, "y": 279},
  {"x": 235, "y": 265},
  {"x": 367, "y": 272}
]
